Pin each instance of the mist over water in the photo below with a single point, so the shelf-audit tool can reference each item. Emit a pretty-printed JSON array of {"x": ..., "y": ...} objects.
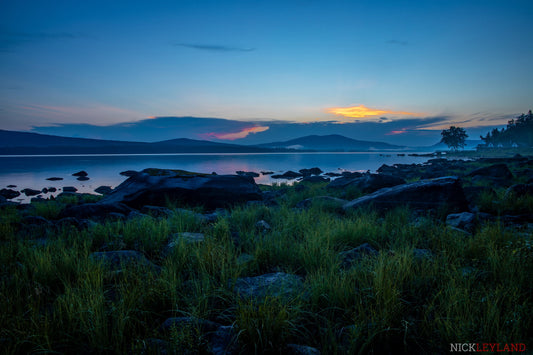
[{"x": 32, "y": 171}]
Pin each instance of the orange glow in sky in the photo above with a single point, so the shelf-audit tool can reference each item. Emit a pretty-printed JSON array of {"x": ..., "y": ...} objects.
[
  {"x": 237, "y": 135},
  {"x": 362, "y": 111}
]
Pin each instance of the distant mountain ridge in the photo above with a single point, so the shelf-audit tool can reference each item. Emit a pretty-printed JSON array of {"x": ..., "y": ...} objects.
[
  {"x": 28, "y": 143},
  {"x": 332, "y": 142}
]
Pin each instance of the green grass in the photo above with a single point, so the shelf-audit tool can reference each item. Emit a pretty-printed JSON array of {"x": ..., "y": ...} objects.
[{"x": 55, "y": 298}]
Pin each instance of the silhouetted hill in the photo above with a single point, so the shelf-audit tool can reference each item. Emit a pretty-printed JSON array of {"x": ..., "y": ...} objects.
[
  {"x": 24, "y": 143},
  {"x": 333, "y": 142}
]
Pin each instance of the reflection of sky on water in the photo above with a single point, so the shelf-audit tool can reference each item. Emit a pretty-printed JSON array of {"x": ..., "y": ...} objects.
[{"x": 32, "y": 171}]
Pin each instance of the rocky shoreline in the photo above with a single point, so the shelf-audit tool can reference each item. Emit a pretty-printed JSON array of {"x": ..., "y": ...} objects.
[{"x": 448, "y": 190}]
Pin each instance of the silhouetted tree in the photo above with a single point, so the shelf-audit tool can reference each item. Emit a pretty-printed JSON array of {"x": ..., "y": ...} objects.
[
  {"x": 518, "y": 132},
  {"x": 454, "y": 137}
]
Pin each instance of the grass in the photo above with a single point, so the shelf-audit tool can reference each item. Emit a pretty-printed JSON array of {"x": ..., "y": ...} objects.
[{"x": 55, "y": 298}]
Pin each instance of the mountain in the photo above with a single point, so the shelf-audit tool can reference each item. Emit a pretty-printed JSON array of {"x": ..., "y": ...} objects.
[
  {"x": 333, "y": 142},
  {"x": 26, "y": 143}
]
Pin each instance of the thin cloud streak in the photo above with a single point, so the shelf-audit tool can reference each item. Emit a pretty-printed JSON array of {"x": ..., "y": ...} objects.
[
  {"x": 214, "y": 48},
  {"x": 361, "y": 111}
]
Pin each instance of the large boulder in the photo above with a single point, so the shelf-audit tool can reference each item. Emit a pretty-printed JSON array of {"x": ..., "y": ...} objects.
[
  {"x": 158, "y": 186},
  {"x": 368, "y": 182},
  {"x": 445, "y": 192},
  {"x": 9, "y": 194},
  {"x": 496, "y": 171}
]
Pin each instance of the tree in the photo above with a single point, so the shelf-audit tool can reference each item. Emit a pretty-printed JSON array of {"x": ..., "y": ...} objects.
[{"x": 454, "y": 137}]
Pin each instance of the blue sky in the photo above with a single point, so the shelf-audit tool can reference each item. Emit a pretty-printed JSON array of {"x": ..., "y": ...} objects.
[{"x": 272, "y": 69}]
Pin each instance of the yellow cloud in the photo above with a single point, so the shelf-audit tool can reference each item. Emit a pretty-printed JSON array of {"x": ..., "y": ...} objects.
[{"x": 362, "y": 111}]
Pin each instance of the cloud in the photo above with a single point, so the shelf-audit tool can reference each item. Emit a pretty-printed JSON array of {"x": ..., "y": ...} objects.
[
  {"x": 398, "y": 42},
  {"x": 214, "y": 48},
  {"x": 12, "y": 39},
  {"x": 236, "y": 135},
  {"x": 362, "y": 111}
]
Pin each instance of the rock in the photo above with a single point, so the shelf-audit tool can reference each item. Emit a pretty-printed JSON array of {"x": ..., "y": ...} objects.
[
  {"x": 82, "y": 178},
  {"x": 104, "y": 190},
  {"x": 498, "y": 171},
  {"x": 11, "y": 186},
  {"x": 275, "y": 285},
  {"x": 54, "y": 178},
  {"x": 157, "y": 186},
  {"x": 116, "y": 260},
  {"x": 465, "y": 220},
  {"x": 2, "y": 199},
  {"x": 188, "y": 237},
  {"x": 179, "y": 322},
  {"x": 309, "y": 172},
  {"x": 136, "y": 214},
  {"x": 287, "y": 175},
  {"x": 223, "y": 341},
  {"x": 9, "y": 194},
  {"x": 325, "y": 200},
  {"x": 351, "y": 256},
  {"x": 422, "y": 254},
  {"x": 445, "y": 192},
  {"x": 52, "y": 189},
  {"x": 315, "y": 179},
  {"x": 44, "y": 190},
  {"x": 30, "y": 192},
  {"x": 129, "y": 173},
  {"x": 368, "y": 182},
  {"x": 95, "y": 210},
  {"x": 38, "y": 198},
  {"x": 69, "y": 189},
  {"x": 80, "y": 173},
  {"x": 263, "y": 225},
  {"x": 247, "y": 173},
  {"x": 295, "y": 349},
  {"x": 331, "y": 174},
  {"x": 157, "y": 211},
  {"x": 519, "y": 190},
  {"x": 473, "y": 193}
]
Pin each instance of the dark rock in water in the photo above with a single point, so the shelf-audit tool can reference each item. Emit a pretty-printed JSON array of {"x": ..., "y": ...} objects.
[
  {"x": 116, "y": 260},
  {"x": 445, "y": 192},
  {"x": 315, "y": 179},
  {"x": 287, "y": 175},
  {"x": 69, "y": 189},
  {"x": 11, "y": 186},
  {"x": 276, "y": 285},
  {"x": 54, "y": 178},
  {"x": 247, "y": 173},
  {"x": 30, "y": 192},
  {"x": 129, "y": 173},
  {"x": 351, "y": 256},
  {"x": 309, "y": 172},
  {"x": 331, "y": 174},
  {"x": 157, "y": 186},
  {"x": 267, "y": 172},
  {"x": 9, "y": 194},
  {"x": 94, "y": 210},
  {"x": 52, "y": 189},
  {"x": 498, "y": 171},
  {"x": 80, "y": 173},
  {"x": 82, "y": 178},
  {"x": 38, "y": 198},
  {"x": 44, "y": 190},
  {"x": 104, "y": 190}
]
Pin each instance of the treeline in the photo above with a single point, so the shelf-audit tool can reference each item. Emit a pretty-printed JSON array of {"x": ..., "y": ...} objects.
[{"x": 518, "y": 133}]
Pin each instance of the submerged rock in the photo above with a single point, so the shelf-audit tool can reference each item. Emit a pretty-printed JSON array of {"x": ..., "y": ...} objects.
[
  {"x": 158, "y": 186},
  {"x": 80, "y": 173}
]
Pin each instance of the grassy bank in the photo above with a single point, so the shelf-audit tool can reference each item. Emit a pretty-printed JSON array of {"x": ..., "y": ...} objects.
[{"x": 428, "y": 286}]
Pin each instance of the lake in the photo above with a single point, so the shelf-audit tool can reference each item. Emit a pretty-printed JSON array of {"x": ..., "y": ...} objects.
[{"x": 32, "y": 171}]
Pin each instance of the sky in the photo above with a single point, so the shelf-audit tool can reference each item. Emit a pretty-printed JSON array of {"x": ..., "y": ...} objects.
[{"x": 259, "y": 71}]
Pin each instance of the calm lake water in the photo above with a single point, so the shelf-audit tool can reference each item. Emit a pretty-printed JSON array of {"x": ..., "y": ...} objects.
[{"x": 32, "y": 171}]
